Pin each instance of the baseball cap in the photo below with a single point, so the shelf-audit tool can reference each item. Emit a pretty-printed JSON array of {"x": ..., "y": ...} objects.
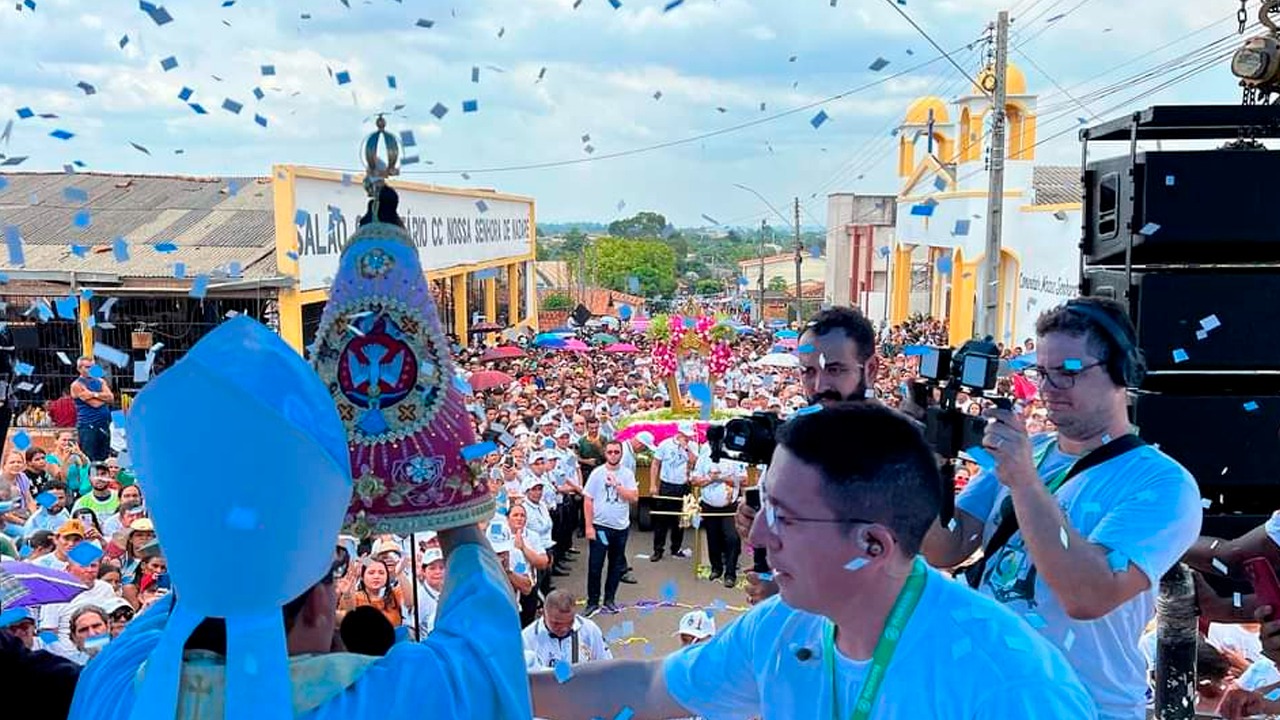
[
  {"x": 499, "y": 534},
  {"x": 531, "y": 483},
  {"x": 385, "y": 545},
  {"x": 563, "y": 432},
  {"x": 686, "y": 428},
  {"x": 697, "y": 624},
  {"x": 431, "y": 555},
  {"x": 71, "y": 527},
  {"x": 646, "y": 438}
]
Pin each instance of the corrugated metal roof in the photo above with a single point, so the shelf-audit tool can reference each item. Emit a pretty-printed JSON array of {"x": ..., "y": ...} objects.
[
  {"x": 210, "y": 226},
  {"x": 1056, "y": 184}
]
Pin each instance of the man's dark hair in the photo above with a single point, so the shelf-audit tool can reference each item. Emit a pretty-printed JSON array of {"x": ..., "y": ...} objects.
[
  {"x": 851, "y": 322},
  {"x": 875, "y": 463},
  {"x": 1101, "y": 342},
  {"x": 55, "y": 485},
  {"x": 33, "y": 453}
]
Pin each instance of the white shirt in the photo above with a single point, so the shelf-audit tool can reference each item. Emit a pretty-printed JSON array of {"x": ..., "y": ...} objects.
[
  {"x": 629, "y": 458},
  {"x": 57, "y": 616},
  {"x": 1143, "y": 506},
  {"x": 724, "y": 491},
  {"x": 608, "y": 507},
  {"x": 549, "y": 650},
  {"x": 51, "y": 562},
  {"x": 538, "y": 522},
  {"x": 961, "y": 657},
  {"x": 428, "y": 605},
  {"x": 675, "y": 462}
]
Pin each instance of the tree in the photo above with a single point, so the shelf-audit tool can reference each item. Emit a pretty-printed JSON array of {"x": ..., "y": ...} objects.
[
  {"x": 652, "y": 262},
  {"x": 557, "y": 301},
  {"x": 777, "y": 283},
  {"x": 641, "y": 225},
  {"x": 708, "y": 287}
]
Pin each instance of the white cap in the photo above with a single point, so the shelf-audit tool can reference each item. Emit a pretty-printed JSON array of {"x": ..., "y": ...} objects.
[
  {"x": 563, "y": 431},
  {"x": 646, "y": 438},
  {"x": 531, "y": 483},
  {"x": 499, "y": 534},
  {"x": 431, "y": 555},
  {"x": 385, "y": 545},
  {"x": 697, "y": 624},
  {"x": 687, "y": 429},
  {"x": 612, "y": 392}
]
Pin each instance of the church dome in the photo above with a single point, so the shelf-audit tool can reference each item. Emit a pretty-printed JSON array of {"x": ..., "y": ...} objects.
[{"x": 918, "y": 113}]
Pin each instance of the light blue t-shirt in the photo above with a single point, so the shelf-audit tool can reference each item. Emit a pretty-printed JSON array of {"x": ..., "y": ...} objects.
[
  {"x": 961, "y": 657},
  {"x": 1144, "y": 507}
]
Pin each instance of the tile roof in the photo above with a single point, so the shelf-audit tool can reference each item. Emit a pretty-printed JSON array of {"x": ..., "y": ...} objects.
[
  {"x": 1056, "y": 184},
  {"x": 210, "y": 226}
]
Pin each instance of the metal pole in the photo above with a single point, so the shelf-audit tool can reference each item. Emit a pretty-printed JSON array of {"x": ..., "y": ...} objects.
[
  {"x": 989, "y": 277},
  {"x": 1177, "y": 632},
  {"x": 799, "y": 259}
]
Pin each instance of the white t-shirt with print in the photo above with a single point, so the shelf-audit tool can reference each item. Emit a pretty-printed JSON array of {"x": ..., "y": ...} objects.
[
  {"x": 675, "y": 462},
  {"x": 548, "y": 650},
  {"x": 725, "y": 491},
  {"x": 1142, "y": 506},
  {"x": 609, "y": 509},
  {"x": 960, "y": 657}
]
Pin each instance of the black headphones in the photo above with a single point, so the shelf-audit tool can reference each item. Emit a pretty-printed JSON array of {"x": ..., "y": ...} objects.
[{"x": 1125, "y": 362}]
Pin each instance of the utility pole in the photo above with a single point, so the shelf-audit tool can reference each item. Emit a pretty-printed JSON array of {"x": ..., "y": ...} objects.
[
  {"x": 764, "y": 225},
  {"x": 799, "y": 290},
  {"x": 989, "y": 277}
]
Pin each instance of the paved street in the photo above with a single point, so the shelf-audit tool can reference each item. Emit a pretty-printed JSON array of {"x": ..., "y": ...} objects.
[{"x": 670, "y": 580}]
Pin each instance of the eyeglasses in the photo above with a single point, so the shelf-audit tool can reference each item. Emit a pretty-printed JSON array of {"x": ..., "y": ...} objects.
[
  {"x": 776, "y": 522},
  {"x": 1059, "y": 378}
]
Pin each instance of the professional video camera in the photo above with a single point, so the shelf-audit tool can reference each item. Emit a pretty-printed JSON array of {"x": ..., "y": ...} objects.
[
  {"x": 973, "y": 369},
  {"x": 746, "y": 439}
]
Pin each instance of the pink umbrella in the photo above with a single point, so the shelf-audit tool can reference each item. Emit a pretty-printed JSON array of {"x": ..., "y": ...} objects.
[
  {"x": 621, "y": 348},
  {"x": 574, "y": 345}
]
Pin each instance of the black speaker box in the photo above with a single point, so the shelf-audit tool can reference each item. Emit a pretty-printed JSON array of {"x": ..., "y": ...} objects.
[
  {"x": 1222, "y": 320},
  {"x": 1229, "y": 444},
  {"x": 1211, "y": 206}
]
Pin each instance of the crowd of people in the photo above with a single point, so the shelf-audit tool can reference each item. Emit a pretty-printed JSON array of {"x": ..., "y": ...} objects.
[{"x": 567, "y": 476}]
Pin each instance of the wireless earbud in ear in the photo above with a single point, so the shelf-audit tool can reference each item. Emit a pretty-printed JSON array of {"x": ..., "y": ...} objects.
[{"x": 874, "y": 548}]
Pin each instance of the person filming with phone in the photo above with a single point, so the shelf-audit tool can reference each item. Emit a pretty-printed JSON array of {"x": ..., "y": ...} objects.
[{"x": 1078, "y": 526}]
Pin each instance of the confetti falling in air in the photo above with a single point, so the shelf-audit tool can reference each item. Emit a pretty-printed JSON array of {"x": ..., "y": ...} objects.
[
  {"x": 878, "y": 65},
  {"x": 819, "y": 119},
  {"x": 1180, "y": 356},
  {"x": 342, "y": 77},
  {"x": 1065, "y": 538},
  {"x": 166, "y": 246},
  {"x": 169, "y": 63},
  {"x": 268, "y": 70},
  {"x": 62, "y": 134},
  {"x": 1251, "y": 406},
  {"x": 482, "y": 206},
  {"x": 391, "y": 81},
  {"x": 470, "y": 106},
  {"x": 617, "y": 4},
  {"x": 87, "y": 88},
  {"x": 158, "y": 14},
  {"x": 232, "y": 106},
  {"x": 13, "y": 241},
  {"x": 563, "y": 672},
  {"x": 1220, "y": 566},
  {"x": 140, "y": 148},
  {"x": 439, "y": 111},
  {"x": 1210, "y": 323},
  {"x": 425, "y": 23},
  {"x": 672, "y": 5},
  {"x": 669, "y": 591}
]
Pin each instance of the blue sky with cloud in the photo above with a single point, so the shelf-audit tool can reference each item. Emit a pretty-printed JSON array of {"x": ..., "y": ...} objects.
[{"x": 603, "y": 67}]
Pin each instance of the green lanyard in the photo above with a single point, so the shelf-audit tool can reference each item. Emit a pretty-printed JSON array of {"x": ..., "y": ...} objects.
[
  {"x": 1057, "y": 480},
  {"x": 901, "y": 613}
]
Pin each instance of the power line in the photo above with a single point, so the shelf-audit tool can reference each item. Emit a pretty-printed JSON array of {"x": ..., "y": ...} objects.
[
  {"x": 1046, "y": 26},
  {"x": 1056, "y": 84},
  {"x": 932, "y": 42}
]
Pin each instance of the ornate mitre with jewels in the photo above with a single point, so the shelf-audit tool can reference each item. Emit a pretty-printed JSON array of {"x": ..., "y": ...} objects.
[{"x": 382, "y": 354}]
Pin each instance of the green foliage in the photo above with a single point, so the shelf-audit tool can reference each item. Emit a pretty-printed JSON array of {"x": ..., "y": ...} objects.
[
  {"x": 641, "y": 225},
  {"x": 708, "y": 287},
  {"x": 653, "y": 262},
  {"x": 557, "y": 301},
  {"x": 777, "y": 283}
]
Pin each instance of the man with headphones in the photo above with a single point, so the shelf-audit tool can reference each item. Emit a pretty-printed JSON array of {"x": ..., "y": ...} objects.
[{"x": 1078, "y": 526}]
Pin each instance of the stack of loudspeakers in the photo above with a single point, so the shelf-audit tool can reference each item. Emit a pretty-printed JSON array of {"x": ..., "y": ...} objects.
[{"x": 1189, "y": 242}]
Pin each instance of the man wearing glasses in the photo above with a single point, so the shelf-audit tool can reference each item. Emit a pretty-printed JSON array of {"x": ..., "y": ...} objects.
[
  {"x": 1093, "y": 533},
  {"x": 862, "y": 628},
  {"x": 607, "y": 499}
]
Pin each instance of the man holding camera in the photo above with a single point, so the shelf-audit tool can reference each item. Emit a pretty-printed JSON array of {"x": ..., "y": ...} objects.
[
  {"x": 1077, "y": 528},
  {"x": 863, "y": 628}
]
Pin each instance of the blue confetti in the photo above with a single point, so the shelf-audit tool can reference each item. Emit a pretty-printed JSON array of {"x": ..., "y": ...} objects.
[
  {"x": 23, "y": 369},
  {"x": 124, "y": 40},
  {"x": 343, "y": 77},
  {"x": 62, "y": 134},
  {"x": 439, "y": 111},
  {"x": 1251, "y": 406},
  {"x": 257, "y": 93},
  {"x": 944, "y": 265},
  {"x": 197, "y": 108},
  {"x": 922, "y": 210},
  {"x": 97, "y": 372},
  {"x": 470, "y": 106},
  {"x": 391, "y": 81},
  {"x": 563, "y": 672},
  {"x": 4, "y": 183},
  {"x": 13, "y": 240},
  {"x": 475, "y": 73},
  {"x": 119, "y": 358},
  {"x": 169, "y": 63},
  {"x": 199, "y": 287},
  {"x": 120, "y": 248},
  {"x": 670, "y": 590},
  {"x": 260, "y": 120},
  {"x": 940, "y": 184},
  {"x": 806, "y": 348},
  {"x": 46, "y": 500},
  {"x": 66, "y": 307},
  {"x": 626, "y": 713},
  {"x": 25, "y": 112},
  {"x": 984, "y": 459},
  {"x": 425, "y": 23},
  {"x": 1117, "y": 561},
  {"x": 765, "y": 576},
  {"x": 616, "y": 4},
  {"x": 185, "y": 94},
  {"x": 301, "y": 217},
  {"x": 808, "y": 410},
  {"x": 672, "y": 5},
  {"x": 268, "y": 70},
  {"x": 158, "y": 14},
  {"x": 82, "y": 219},
  {"x": 479, "y": 450},
  {"x": 878, "y": 65},
  {"x": 85, "y": 554},
  {"x": 817, "y": 120},
  {"x": 179, "y": 270},
  {"x": 232, "y": 106},
  {"x": 482, "y": 206},
  {"x": 1072, "y": 364},
  {"x": 21, "y": 439},
  {"x": 75, "y": 195},
  {"x": 1180, "y": 356},
  {"x": 1149, "y": 229},
  {"x": 961, "y": 229},
  {"x": 166, "y": 246}
]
